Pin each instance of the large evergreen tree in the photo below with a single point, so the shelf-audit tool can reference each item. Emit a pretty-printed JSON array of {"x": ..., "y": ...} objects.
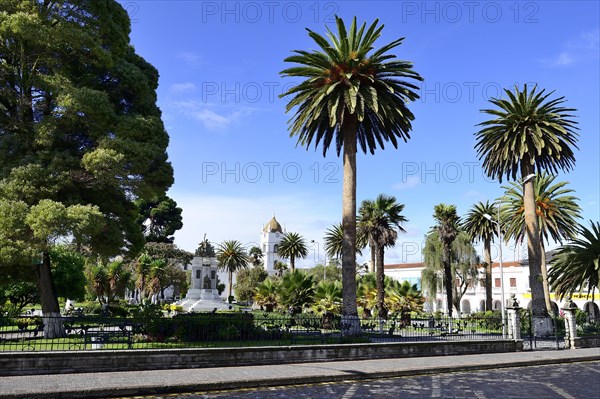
[{"x": 81, "y": 137}]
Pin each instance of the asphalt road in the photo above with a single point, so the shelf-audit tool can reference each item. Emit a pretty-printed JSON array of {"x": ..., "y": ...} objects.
[{"x": 571, "y": 381}]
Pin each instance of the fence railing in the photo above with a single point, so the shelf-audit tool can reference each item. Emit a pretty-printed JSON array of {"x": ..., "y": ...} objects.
[{"x": 230, "y": 329}]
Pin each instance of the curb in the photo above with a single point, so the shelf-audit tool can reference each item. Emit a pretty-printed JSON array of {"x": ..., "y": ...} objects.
[{"x": 287, "y": 381}]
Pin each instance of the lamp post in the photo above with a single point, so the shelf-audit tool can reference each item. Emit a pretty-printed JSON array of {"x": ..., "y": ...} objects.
[
  {"x": 499, "y": 232},
  {"x": 318, "y": 250}
]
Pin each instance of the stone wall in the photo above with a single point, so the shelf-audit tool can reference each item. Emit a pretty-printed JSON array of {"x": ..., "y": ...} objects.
[{"x": 19, "y": 363}]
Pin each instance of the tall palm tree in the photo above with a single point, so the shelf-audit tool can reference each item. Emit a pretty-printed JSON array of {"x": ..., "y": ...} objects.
[
  {"x": 447, "y": 225},
  {"x": 576, "y": 265},
  {"x": 380, "y": 220},
  {"x": 528, "y": 133},
  {"x": 232, "y": 257},
  {"x": 557, "y": 213},
  {"x": 481, "y": 229},
  {"x": 292, "y": 246},
  {"x": 351, "y": 93}
]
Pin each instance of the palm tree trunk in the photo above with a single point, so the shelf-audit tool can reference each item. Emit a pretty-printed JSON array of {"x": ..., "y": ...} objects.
[
  {"x": 488, "y": 274},
  {"x": 447, "y": 276},
  {"x": 380, "y": 283},
  {"x": 53, "y": 327},
  {"x": 549, "y": 308},
  {"x": 372, "y": 266},
  {"x": 541, "y": 322},
  {"x": 292, "y": 264},
  {"x": 349, "y": 307},
  {"x": 230, "y": 283}
]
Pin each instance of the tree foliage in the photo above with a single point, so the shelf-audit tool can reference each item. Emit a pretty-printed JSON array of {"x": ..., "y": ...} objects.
[
  {"x": 291, "y": 247},
  {"x": 159, "y": 219},
  {"x": 81, "y": 136}
]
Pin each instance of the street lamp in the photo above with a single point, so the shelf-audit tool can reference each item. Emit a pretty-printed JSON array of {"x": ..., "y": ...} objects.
[
  {"x": 318, "y": 250},
  {"x": 497, "y": 223}
]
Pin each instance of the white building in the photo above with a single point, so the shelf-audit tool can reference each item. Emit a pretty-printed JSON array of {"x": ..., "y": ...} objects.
[
  {"x": 270, "y": 237},
  {"x": 516, "y": 281}
]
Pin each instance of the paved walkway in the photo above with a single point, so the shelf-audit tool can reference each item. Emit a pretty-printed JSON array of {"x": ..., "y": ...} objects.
[{"x": 130, "y": 383}]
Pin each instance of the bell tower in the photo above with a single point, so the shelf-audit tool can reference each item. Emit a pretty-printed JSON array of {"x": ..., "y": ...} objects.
[{"x": 271, "y": 235}]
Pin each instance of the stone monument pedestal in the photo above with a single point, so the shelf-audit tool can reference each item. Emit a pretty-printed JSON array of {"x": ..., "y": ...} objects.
[{"x": 203, "y": 295}]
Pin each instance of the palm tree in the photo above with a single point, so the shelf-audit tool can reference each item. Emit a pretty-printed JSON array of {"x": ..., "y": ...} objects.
[
  {"x": 296, "y": 291},
  {"x": 142, "y": 270},
  {"x": 292, "y": 246},
  {"x": 403, "y": 298},
  {"x": 256, "y": 255},
  {"x": 528, "y": 132},
  {"x": 367, "y": 293},
  {"x": 232, "y": 257},
  {"x": 447, "y": 229},
  {"x": 266, "y": 294},
  {"x": 557, "y": 213},
  {"x": 118, "y": 279},
  {"x": 334, "y": 241},
  {"x": 328, "y": 297},
  {"x": 157, "y": 277},
  {"x": 351, "y": 93},
  {"x": 479, "y": 228},
  {"x": 380, "y": 220},
  {"x": 279, "y": 267},
  {"x": 576, "y": 266}
]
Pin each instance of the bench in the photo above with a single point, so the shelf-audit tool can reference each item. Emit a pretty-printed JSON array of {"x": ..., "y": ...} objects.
[{"x": 107, "y": 337}]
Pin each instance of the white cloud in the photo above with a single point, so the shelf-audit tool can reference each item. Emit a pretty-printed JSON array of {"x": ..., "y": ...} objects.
[
  {"x": 190, "y": 59},
  {"x": 411, "y": 181},
  {"x": 212, "y": 116},
  {"x": 583, "y": 47},
  {"x": 181, "y": 88}
]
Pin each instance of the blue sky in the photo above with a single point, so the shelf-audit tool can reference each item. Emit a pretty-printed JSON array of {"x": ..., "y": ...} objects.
[{"x": 235, "y": 164}]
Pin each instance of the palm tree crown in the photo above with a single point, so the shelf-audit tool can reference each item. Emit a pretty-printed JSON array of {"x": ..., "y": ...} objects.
[
  {"x": 347, "y": 79},
  {"x": 232, "y": 257},
  {"x": 576, "y": 266},
  {"x": 556, "y": 209},
  {"x": 529, "y": 128},
  {"x": 292, "y": 246}
]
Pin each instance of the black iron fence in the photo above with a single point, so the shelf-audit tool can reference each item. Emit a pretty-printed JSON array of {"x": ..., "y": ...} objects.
[{"x": 230, "y": 329}]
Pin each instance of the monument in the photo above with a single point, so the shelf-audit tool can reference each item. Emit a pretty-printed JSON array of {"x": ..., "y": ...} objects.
[{"x": 203, "y": 294}]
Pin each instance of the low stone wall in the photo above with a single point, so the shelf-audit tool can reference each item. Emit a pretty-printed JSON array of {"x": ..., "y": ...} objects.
[
  {"x": 587, "y": 342},
  {"x": 29, "y": 363}
]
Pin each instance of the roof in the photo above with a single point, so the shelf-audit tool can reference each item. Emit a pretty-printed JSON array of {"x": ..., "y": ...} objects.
[
  {"x": 416, "y": 265},
  {"x": 272, "y": 226}
]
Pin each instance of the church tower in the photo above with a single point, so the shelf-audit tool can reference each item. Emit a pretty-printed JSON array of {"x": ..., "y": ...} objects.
[{"x": 271, "y": 235}]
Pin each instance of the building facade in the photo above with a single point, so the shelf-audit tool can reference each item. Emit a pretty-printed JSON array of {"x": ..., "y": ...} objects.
[{"x": 516, "y": 281}]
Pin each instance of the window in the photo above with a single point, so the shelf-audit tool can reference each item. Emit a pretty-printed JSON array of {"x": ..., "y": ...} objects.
[
  {"x": 497, "y": 282},
  {"x": 513, "y": 282}
]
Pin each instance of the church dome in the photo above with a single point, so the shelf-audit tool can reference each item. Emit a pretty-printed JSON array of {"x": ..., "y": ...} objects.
[{"x": 272, "y": 226}]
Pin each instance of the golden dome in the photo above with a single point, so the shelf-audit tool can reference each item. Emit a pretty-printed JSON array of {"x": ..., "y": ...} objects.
[{"x": 272, "y": 226}]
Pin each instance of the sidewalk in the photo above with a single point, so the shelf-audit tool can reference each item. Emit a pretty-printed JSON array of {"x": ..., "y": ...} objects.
[{"x": 131, "y": 383}]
